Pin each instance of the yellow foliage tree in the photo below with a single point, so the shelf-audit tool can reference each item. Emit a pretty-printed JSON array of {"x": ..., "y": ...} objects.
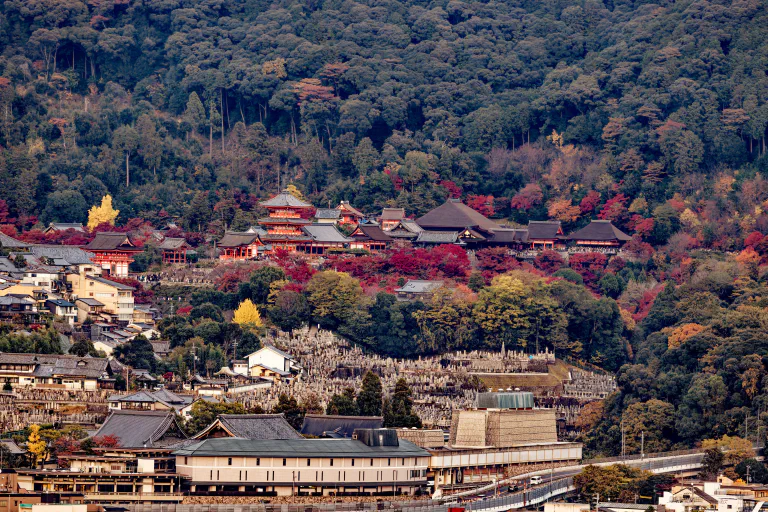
[
  {"x": 736, "y": 448},
  {"x": 247, "y": 315},
  {"x": 103, "y": 213},
  {"x": 295, "y": 192},
  {"x": 563, "y": 210},
  {"x": 35, "y": 444},
  {"x": 682, "y": 333}
]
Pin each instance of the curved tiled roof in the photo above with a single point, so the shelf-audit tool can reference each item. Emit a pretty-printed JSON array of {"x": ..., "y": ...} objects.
[
  {"x": 286, "y": 200},
  {"x": 455, "y": 215},
  {"x": 600, "y": 231}
]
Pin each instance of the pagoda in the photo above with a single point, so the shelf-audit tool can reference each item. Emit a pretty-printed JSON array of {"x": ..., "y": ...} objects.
[{"x": 287, "y": 216}]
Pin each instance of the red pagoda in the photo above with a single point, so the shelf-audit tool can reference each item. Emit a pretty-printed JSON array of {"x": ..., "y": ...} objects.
[{"x": 287, "y": 216}]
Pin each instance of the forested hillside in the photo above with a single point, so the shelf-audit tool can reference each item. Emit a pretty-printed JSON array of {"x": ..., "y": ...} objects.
[{"x": 391, "y": 102}]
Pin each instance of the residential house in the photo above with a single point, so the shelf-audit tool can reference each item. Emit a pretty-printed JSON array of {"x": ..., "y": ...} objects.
[
  {"x": 117, "y": 298},
  {"x": 55, "y": 371},
  {"x": 21, "y": 308},
  {"x": 271, "y": 358},
  {"x": 416, "y": 289},
  {"x": 390, "y": 217},
  {"x": 7, "y": 242},
  {"x": 160, "y": 400},
  {"x": 113, "y": 252},
  {"x": 62, "y": 308},
  {"x": 142, "y": 429},
  {"x": 89, "y": 309}
]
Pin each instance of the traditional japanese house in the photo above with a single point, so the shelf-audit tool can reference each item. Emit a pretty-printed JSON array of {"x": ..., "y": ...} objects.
[
  {"x": 349, "y": 214},
  {"x": 416, "y": 289},
  {"x": 390, "y": 217},
  {"x": 599, "y": 234},
  {"x": 239, "y": 246},
  {"x": 113, "y": 252},
  {"x": 61, "y": 227},
  {"x": 323, "y": 237},
  {"x": 287, "y": 215},
  {"x": 369, "y": 237},
  {"x": 7, "y": 242},
  {"x": 544, "y": 235},
  {"x": 405, "y": 229},
  {"x": 174, "y": 250}
]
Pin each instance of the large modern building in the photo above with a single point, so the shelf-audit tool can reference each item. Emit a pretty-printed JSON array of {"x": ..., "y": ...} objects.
[{"x": 373, "y": 462}]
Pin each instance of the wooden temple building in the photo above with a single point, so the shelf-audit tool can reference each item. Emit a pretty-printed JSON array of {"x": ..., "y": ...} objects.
[
  {"x": 240, "y": 246},
  {"x": 287, "y": 216},
  {"x": 369, "y": 237},
  {"x": 390, "y": 217},
  {"x": 599, "y": 234},
  {"x": 174, "y": 250},
  {"x": 113, "y": 252},
  {"x": 545, "y": 235},
  {"x": 350, "y": 215}
]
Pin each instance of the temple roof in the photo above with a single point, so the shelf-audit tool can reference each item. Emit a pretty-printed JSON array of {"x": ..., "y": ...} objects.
[
  {"x": 600, "y": 231},
  {"x": 234, "y": 239},
  {"x": 543, "y": 230},
  {"x": 285, "y": 200},
  {"x": 455, "y": 215},
  {"x": 111, "y": 242}
]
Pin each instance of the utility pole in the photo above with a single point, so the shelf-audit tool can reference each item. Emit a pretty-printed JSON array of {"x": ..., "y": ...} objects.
[
  {"x": 622, "y": 438},
  {"x": 642, "y": 444}
]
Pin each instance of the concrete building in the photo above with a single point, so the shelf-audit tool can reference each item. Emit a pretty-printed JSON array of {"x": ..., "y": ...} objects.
[
  {"x": 374, "y": 462},
  {"x": 117, "y": 298}
]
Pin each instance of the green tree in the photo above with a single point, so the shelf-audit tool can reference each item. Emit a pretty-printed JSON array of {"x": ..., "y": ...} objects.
[
  {"x": 369, "y": 399},
  {"x": 343, "y": 404}
]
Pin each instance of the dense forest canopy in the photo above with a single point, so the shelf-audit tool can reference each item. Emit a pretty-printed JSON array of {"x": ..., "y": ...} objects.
[{"x": 391, "y": 102}]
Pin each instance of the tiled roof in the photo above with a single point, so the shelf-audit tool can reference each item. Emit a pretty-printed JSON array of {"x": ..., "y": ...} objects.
[
  {"x": 325, "y": 233},
  {"x": 324, "y": 448},
  {"x": 275, "y": 350},
  {"x": 372, "y": 232},
  {"x": 171, "y": 244},
  {"x": 257, "y": 426},
  {"x": 119, "y": 286},
  {"x": 285, "y": 199},
  {"x": 508, "y": 235},
  {"x": 392, "y": 213},
  {"x": 543, "y": 230},
  {"x": 438, "y": 237},
  {"x": 344, "y": 205},
  {"x": 11, "y": 243},
  {"x": 419, "y": 286},
  {"x": 138, "y": 429},
  {"x": 63, "y": 226},
  {"x": 342, "y": 426},
  {"x": 327, "y": 213},
  {"x": 235, "y": 239},
  {"x": 47, "y": 365},
  {"x": 111, "y": 242},
  {"x": 600, "y": 231},
  {"x": 455, "y": 215},
  {"x": 284, "y": 220},
  {"x": 90, "y": 302},
  {"x": 62, "y": 253}
]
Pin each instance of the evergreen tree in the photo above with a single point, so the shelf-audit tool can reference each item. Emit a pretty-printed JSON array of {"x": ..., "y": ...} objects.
[
  {"x": 369, "y": 399},
  {"x": 398, "y": 411},
  {"x": 343, "y": 404}
]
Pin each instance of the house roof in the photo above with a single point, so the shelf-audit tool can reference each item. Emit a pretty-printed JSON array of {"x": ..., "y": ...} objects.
[
  {"x": 392, "y": 213},
  {"x": 344, "y": 205},
  {"x": 63, "y": 226},
  {"x": 543, "y": 229},
  {"x": 325, "y": 233},
  {"x": 119, "y": 286},
  {"x": 138, "y": 429},
  {"x": 371, "y": 232},
  {"x": 252, "y": 426},
  {"x": 61, "y": 303},
  {"x": 12, "y": 447},
  {"x": 90, "y": 302},
  {"x": 6, "y": 265},
  {"x": 286, "y": 200},
  {"x": 48, "y": 365},
  {"x": 419, "y": 286},
  {"x": 64, "y": 255},
  {"x": 325, "y": 448},
  {"x": 454, "y": 214},
  {"x": 322, "y": 425},
  {"x": 327, "y": 213},
  {"x": 600, "y": 231},
  {"x": 8, "y": 300},
  {"x": 111, "y": 242},
  {"x": 235, "y": 239},
  {"x": 438, "y": 237},
  {"x": 11, "y": 243},
  {"x": 275, "y": 350},
  {"x": 171, "y": 244}
]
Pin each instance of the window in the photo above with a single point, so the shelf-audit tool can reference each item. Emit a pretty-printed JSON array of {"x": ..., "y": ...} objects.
[
  {"x": 389, "y": 462},
  {"x": 229, "y": 461},
  {"x": 331, "y": 462},
  {"x": 353, "y": 462},
  {"x": 308, "y": 462},
  {"x": 258, "y": 462},
  {"x": 402, "y": 462},
  {"x": 371, "y": 462},
  {"x": 185, "y": 460},
  {"x": 284, "y": 462}
]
